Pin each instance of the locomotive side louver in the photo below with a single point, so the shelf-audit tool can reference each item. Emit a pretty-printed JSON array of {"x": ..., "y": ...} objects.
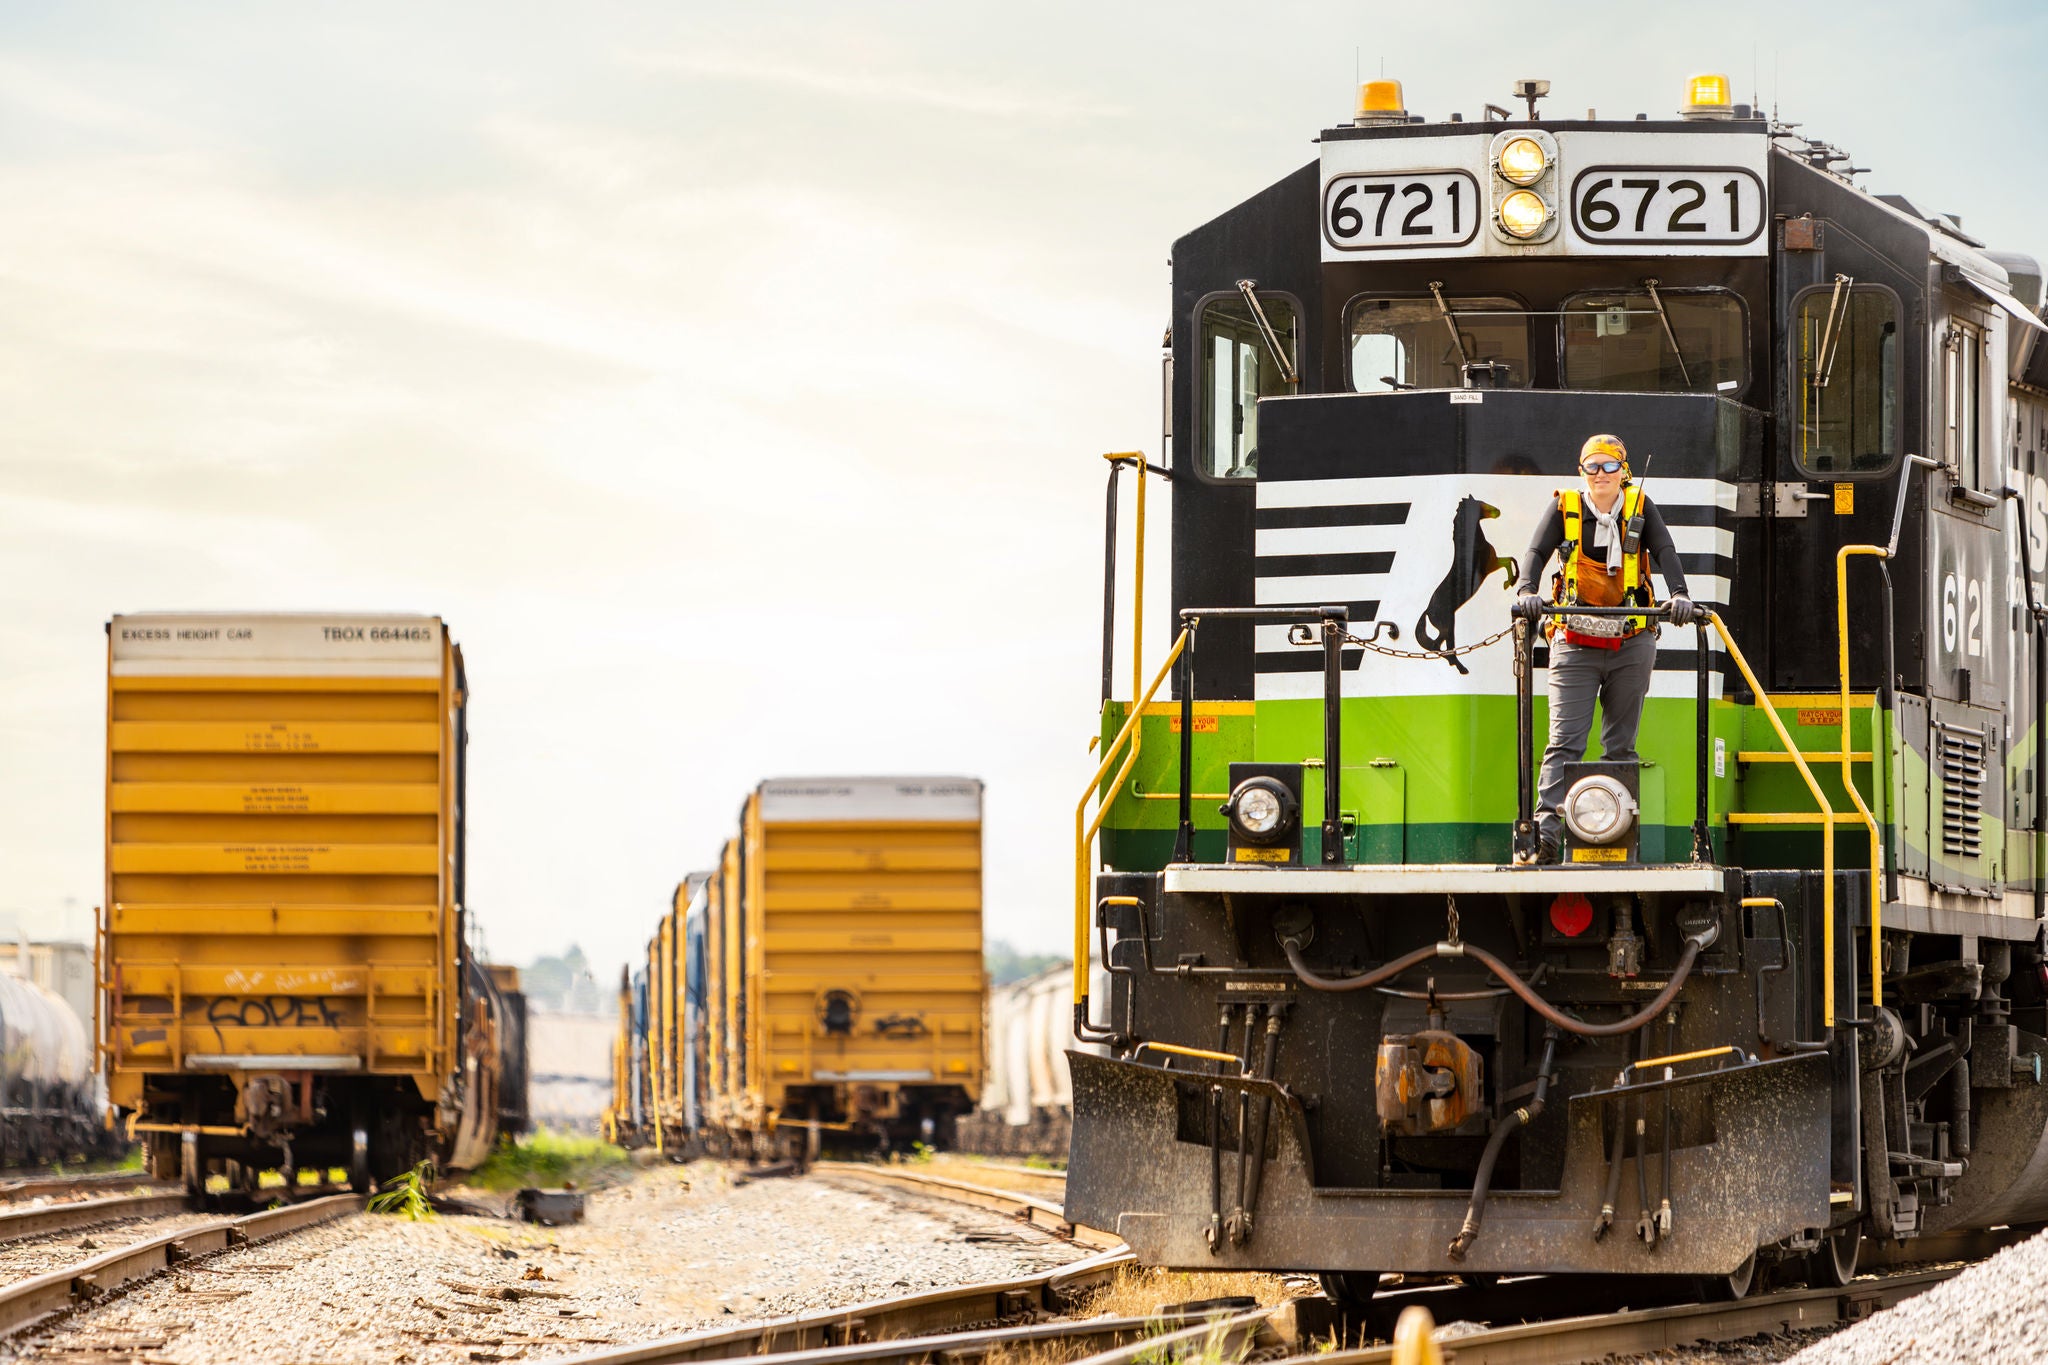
[{"x": 1962, "y": 791}]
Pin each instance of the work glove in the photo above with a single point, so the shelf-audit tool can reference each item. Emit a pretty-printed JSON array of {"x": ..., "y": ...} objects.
[
  {"x": 1529, "y": 606},
  {"x": 1683, "y": 612}
]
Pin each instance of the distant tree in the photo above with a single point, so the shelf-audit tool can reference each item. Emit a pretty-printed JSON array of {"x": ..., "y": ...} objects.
[
  {"x": 564, "y": 984},
  {"x": 1006, "y": 964}
]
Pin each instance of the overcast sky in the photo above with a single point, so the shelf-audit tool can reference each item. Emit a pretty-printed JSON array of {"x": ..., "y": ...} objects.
[{"x": 731, "y": 378}]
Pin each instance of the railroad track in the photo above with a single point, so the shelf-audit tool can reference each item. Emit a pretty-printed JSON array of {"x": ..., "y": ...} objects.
[
  {"x": 53, "y": 1186},
  {"x": 1299, "y": 1330},
  {"x": 1593, "y": 1337},
  {"x": 1041, "y": 1213},
  {"x": 17, "y": 1224},
  {"x": 32, "y": 1302},
  {"x": 962, "y": 1324}
]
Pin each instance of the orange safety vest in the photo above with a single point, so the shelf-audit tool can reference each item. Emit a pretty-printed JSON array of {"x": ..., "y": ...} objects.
[{"x": 1586, "y": 581}]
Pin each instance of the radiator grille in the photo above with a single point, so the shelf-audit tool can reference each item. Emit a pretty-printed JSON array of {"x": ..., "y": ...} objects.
[{"x": 1962, "y": 791}]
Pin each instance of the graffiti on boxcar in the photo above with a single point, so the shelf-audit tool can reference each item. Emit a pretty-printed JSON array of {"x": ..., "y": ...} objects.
[{"x": 272, "y": 1011}]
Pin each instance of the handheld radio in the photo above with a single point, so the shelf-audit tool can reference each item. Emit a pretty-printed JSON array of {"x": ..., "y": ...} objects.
[{"x": 1632, "y": 535}]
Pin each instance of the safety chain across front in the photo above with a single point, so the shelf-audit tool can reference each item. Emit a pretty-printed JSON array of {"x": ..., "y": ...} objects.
[{"x": 1363, "y": 643}]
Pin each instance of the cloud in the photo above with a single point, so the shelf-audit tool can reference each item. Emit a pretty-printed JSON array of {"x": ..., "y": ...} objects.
[{"x": 918, "y": 90}]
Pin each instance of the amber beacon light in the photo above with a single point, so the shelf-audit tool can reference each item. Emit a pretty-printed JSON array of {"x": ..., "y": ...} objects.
[
  {"x": 1706, "y": 96},
  {"x": 1380, "y": 102}
]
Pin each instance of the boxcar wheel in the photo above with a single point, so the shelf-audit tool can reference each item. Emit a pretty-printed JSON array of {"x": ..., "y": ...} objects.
[
  {"x": 192, "y": 1168},
  {"x": 1350, "y": 1288},
  {"x": 359, "y": 1158},
  {"x": 1833, "y": 1264},
  {"x": 1736, "y": 1284}
]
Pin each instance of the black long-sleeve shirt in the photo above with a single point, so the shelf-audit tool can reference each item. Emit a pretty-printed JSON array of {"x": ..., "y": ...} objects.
[{"x": 1550, "y": 535}]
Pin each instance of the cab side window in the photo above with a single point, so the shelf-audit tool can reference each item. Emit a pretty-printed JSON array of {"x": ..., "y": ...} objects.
[
  {"x": 1238, "y": 369},
  {"x": 1963, "y": 393},
  {"x": 1846, "y": 379}
]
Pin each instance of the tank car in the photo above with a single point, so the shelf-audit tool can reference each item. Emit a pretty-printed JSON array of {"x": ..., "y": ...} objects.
[
  {"x": 49, "y": 1093},
  {"x": 1027, "y": 1103},
  {"x": 1789, "y": 995},
  {"x": 288, "y": 973}
]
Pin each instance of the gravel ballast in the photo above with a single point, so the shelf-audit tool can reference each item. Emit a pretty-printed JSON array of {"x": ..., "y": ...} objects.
[
  {"x": 1994, "y": 1313},
  {"x": 672, "y": 1251}
]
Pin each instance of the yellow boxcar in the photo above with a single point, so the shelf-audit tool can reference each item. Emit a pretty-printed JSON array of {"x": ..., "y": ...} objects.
[
  {"x": 848, "y": 922},
  {"x": 284, "y": 970}
]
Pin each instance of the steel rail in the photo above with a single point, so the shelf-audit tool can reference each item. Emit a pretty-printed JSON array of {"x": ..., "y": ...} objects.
[
  {"x": 15, "y": 1224},
  {"x": 1640, "y": 1331},
  {"x": 34, "y": 1186},
  {"x": 924, "y": 1315},
  {"x": 1039, "y": 1213},
  {"x": 30, "y": 1302},
  {"x": 1036, "y": 1172}
]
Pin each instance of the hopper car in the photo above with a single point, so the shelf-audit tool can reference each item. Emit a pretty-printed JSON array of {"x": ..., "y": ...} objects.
[
  {"x": 286, "y": 958},
  {"x": 1790, "y": 997}
]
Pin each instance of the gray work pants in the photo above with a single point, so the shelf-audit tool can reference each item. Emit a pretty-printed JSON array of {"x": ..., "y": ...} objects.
[{"x": 1579, "y": 674}]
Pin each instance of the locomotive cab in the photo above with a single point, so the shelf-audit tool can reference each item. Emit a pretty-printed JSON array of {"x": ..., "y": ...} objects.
[{"x": 1344, "y": 1032}]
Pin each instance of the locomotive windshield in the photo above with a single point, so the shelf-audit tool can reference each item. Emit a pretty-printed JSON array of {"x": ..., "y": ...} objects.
[
  {"x": 1623, "y": 340},
  {"x": 1406, "y": 343}
]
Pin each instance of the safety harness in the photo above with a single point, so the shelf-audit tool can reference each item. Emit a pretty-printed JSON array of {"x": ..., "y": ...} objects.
[{"x": 1585, "y": 581}]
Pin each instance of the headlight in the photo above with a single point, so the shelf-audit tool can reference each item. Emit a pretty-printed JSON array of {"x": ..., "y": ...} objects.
[
  {"x": 1258, "y": 810},
  {"x": 1524, "y": 213},
  {"x": 1523, "y": 161},
  {"x": 1599, "y": 810},
  {"x": 1262, "y": 810}
]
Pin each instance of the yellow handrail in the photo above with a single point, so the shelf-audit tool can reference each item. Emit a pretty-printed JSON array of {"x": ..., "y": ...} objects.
[
  {"x": 1084, "y": 829},
  {"x": 1848, "y": 780},
  {"x": 1199, "y": 1053},
  {"x": 1827, "y": 931},
  {"x": 1137, "y": 459}
]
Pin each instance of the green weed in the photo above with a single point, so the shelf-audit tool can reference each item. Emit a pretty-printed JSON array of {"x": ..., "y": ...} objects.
[
  {"x": 406, "y": 1196},
  {"x": 547, "y": 1160}
]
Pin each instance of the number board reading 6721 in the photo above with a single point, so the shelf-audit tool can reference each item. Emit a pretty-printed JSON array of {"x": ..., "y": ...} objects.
[
  {"x": 1667, "y": 205},
  {"x": 1419, "y": 209}
]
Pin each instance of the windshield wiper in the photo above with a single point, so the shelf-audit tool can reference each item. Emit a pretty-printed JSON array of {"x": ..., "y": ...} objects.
[
  {"x": 1436, "y": 288},
  {"x": 1684, "y": 377},
  {"x": 1830, "y": 335},
  {"x": 1249, "y": 288}
]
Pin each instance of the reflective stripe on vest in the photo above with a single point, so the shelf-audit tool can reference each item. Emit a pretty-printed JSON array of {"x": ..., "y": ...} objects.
[{"x": 1633, "y": 567}]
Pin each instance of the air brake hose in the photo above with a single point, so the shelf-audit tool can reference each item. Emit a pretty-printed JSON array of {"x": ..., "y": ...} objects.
[
  {"x": 1694, "y": 944},
  {"x": 1482, "y": 1180},
  {"x": 1364, "y": 979}
]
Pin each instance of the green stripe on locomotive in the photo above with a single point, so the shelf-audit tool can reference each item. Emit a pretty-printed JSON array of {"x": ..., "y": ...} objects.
[{"x": 1433, "y": 781}]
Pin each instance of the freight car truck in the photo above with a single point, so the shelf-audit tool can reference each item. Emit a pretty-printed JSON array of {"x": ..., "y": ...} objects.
[{"x": 285, "y": 973}]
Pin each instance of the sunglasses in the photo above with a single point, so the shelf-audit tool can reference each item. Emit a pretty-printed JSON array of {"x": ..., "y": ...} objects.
[{"x": 1600, "y": 467}]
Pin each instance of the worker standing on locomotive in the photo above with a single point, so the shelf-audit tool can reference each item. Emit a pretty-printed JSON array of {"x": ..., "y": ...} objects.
[{"x": 1591, "y": 657}]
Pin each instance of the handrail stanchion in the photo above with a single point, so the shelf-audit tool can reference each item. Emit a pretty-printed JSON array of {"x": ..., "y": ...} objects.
[
  {"x": 1184, "y": 838},
  {"x": 1848, "y": 776},
  {"x": 1109, "y": 576},
  {"x": 1702, "y": 837},
  {"x": 1525, "y": 725},
  {"x": 1333, "y": 736}
]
